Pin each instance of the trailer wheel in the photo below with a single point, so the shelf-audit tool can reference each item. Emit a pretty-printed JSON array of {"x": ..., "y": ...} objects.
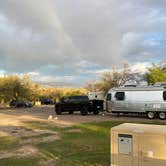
[
  {"x": 84, "y": 111},
  {"x": 162, "y": 115},
  {"x": 58, "y": 111},
  {"x": 151, "y": 115}
]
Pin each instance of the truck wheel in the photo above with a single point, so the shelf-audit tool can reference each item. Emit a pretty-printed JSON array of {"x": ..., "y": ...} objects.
[
  {"x": 70, "y": 112},
  {"x": 151, "y": 115},
  {"x": 162, "y": 115},
  {"x": 95, "y": 112},
  {"x": 84, "y": 111},
  {"x": 58, "y": 111}
]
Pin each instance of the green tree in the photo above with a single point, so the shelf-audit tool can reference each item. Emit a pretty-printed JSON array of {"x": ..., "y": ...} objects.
[
  {"x": 155, "y": 74},
  {"x": 14, "y": 87}
]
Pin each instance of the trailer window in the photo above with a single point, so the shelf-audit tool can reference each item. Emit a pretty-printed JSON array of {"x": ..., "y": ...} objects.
[
  {"x": 109, "y": 96},
  {"x": 164, "y": 95},
  {"x": 120, "y": 95}
]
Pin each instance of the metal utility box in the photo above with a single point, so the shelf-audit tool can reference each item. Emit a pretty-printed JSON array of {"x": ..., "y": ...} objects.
[{"x": 138, "y": 145}]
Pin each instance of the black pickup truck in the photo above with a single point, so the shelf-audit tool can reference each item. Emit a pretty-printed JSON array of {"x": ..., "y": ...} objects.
[{"x": 78, "y": 103}]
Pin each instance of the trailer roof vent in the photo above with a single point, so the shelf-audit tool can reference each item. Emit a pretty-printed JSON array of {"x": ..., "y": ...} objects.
[{"x": 130, "y": 85}]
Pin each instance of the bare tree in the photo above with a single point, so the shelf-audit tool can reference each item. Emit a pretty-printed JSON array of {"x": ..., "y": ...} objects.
[{"x": 115, "y": 78}]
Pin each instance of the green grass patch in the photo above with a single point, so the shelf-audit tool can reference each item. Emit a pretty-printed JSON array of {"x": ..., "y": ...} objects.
[
  {"x": 89, "y": 147},
  {"x": 19, "y": 162},
  {"x": 8, "y": 143},
  {"x": 37, "y": 136}
]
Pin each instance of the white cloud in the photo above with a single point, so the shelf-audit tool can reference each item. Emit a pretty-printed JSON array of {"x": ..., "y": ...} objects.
[
  {"x": 52, "y": 80},
  {"x": 78, "y": 36},
  {"x": 140, "y": 68}
]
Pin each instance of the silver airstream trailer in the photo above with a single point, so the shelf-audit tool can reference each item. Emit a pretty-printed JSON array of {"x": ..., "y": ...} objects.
[{"x": 150, "y": 100}]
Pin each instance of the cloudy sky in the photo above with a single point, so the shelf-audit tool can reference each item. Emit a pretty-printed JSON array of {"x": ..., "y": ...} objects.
[{"x": 68, "y": 42}]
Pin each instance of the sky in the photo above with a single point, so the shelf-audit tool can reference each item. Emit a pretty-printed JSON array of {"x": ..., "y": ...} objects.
[{"x": 67, "y": 43}]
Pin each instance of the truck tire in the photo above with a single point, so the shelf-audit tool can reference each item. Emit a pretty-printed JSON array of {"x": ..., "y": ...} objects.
[
  {"x": 84, "y": 111},
  {"x": 151, "y": 115},
  {"x": 162, "y": 115},
  {"x": 70, "y": 112},
  {"x": 96, "y": 112},
  {"x": 58, "y": 111}
]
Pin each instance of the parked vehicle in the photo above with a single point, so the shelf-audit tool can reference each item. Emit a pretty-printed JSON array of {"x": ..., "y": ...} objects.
[
  {"x": 76, "y": 103},
  {"x": 96, "y": 95},
  {"x": 46, "y": 101},
  {"x": 149, "y": 100},
  {"x": 20, "y": 103},
  {"x": 97, "y": 98}
]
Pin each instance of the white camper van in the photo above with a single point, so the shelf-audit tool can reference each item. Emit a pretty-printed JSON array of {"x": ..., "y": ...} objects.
[{"x": 150, "y": 100}]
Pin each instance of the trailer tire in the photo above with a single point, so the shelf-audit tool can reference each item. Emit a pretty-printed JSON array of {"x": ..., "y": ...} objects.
[
  {"x": 151, "y": 115},
  {"x": 162, "y": 115},
  {"x": 84, "y": 111}
]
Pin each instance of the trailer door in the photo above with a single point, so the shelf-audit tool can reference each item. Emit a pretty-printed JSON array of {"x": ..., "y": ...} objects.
[
  {"x": 120, "y": 104},
  {"x": 109, "y": 102}
]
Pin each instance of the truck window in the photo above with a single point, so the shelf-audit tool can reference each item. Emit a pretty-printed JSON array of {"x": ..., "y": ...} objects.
[
  {"x": 65, "y": 99},
  {"x": 164, "y": 95},
  {"x": 109, "y": 96},
  {"x": 120, "y": 95},
  {"x": 79, "y": 99},
  {"x": 72, "y": 99}
]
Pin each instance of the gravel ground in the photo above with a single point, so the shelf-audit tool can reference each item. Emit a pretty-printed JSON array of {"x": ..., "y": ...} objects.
[{"x": 47, "y": 113}]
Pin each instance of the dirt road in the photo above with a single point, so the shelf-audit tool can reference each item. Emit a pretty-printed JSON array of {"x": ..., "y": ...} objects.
[{"x": 47, "y": 113}]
